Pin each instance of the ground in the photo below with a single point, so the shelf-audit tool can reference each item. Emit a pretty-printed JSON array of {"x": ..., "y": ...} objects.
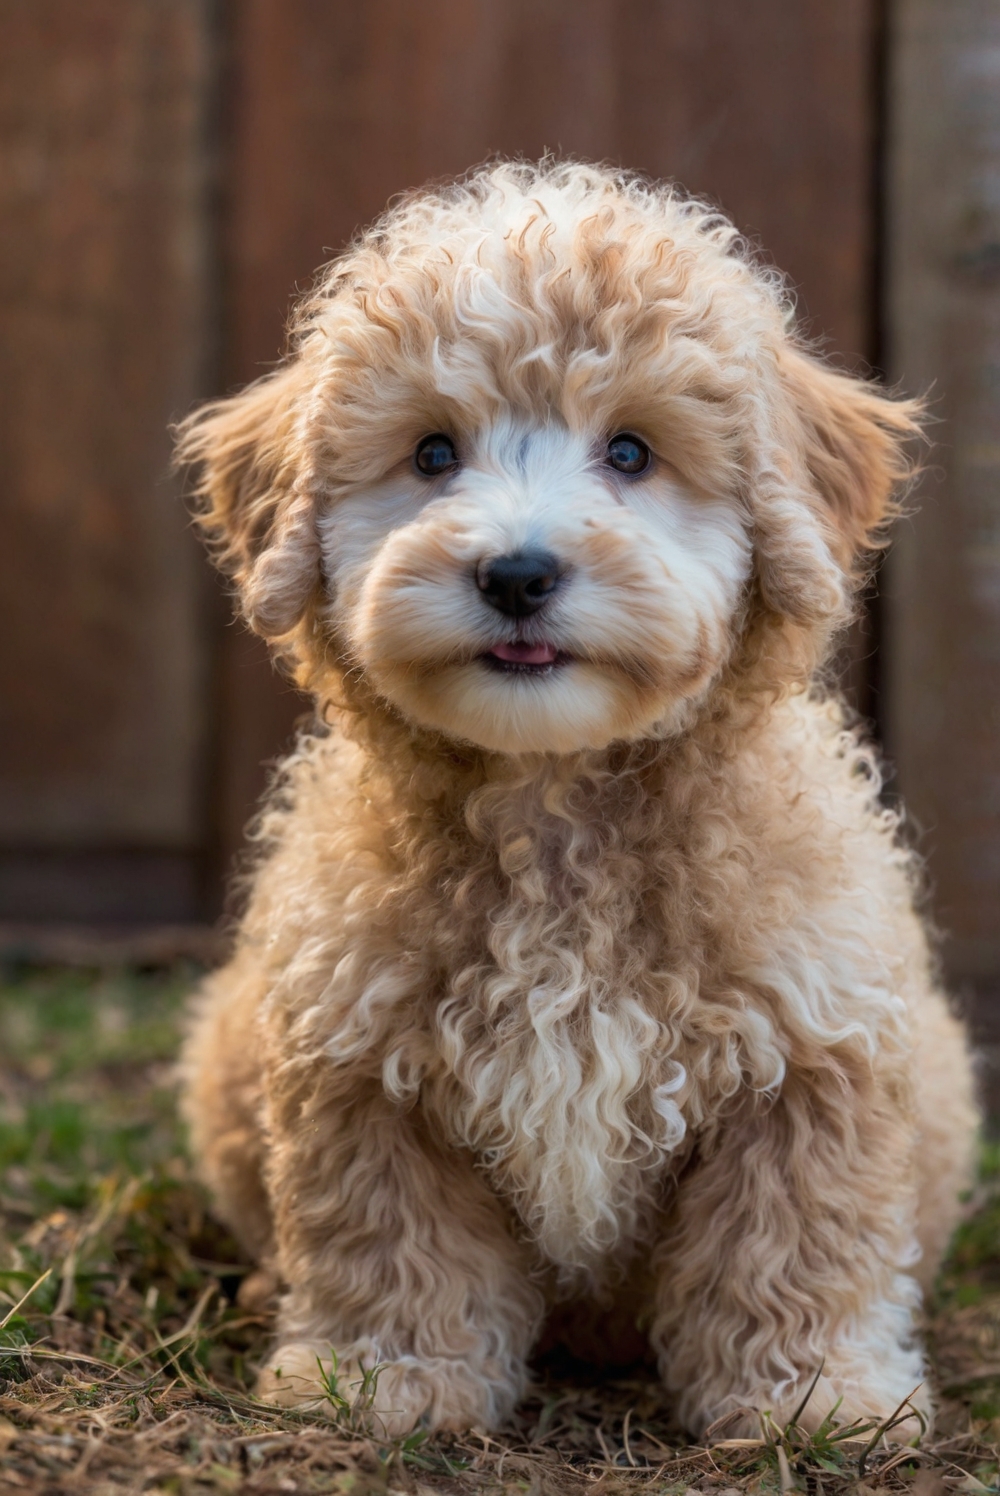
[{"x": 127, "y": 1349}]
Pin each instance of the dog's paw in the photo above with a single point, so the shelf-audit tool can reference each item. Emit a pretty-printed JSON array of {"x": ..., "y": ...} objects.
[
  {"x": 354, "y": 1387},
  {"x": 386, "y": 1398},
  {"x": 838, "y": 1399},
  {"x": 852, "y": 1399}
]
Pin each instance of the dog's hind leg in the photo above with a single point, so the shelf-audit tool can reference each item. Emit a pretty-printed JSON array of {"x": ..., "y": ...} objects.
[
  {"x": 221, "y": 1102},
  {"x": 787, "y": 1260},
  {"x": 409, "y": 1299},
  {"x": 948, "y": 1128}
]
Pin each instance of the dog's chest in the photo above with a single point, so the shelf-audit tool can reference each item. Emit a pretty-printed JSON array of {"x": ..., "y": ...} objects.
[
  {"x": 560, "y": 1078},
  {"x": 557, "y": 1063}
]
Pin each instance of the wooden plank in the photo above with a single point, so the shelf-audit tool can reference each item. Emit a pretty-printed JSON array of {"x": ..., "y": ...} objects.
[
  {"x": 107, "y": 947},
  {"x": 768, "y": 108},
  {"x": 943, "y": 602},
  {"x": 104, "y": 329},
  {"x": 98, "y": 887}
]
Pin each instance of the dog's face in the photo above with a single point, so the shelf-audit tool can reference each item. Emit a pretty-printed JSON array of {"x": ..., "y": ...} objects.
[
  {"x": 526, "y": 586},
  {"x": 543, "y": 450}
]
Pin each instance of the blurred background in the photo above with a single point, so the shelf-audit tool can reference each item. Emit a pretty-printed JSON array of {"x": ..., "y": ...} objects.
[{"x": 172, "y": 170}]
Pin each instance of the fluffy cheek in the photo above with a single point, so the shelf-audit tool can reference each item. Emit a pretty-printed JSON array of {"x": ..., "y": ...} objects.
[{"x": 643, "y": 619}]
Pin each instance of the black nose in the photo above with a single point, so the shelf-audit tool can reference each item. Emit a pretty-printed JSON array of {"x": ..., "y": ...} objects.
[{"x": 518, "y": 584}]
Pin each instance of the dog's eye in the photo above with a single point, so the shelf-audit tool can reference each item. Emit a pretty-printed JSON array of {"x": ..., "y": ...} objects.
[
  {"x": 627, "y": 454},
  {"x": 434, "y": 455}
]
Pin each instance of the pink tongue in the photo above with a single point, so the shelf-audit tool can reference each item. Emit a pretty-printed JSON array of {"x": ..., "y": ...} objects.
[{"x": 524, "y": 654}]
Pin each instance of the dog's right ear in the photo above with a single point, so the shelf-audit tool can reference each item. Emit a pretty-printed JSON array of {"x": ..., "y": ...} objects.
[{"x": 254, "y": 486}]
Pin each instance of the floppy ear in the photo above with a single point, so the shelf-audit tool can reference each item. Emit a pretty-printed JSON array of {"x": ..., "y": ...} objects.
[
  {"x": 841, "y": 451},
  {"x": 254, "y": 484},
  {"x": 857, "y": 446}
]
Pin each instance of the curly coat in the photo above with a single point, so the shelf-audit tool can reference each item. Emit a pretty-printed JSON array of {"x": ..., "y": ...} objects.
[{"x": 600, "y": 983}]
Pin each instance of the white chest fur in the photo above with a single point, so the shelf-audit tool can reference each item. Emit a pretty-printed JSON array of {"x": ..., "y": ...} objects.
[
  {"x": 559, "y": 1071},
  {"x": 562, "y": 1086}
]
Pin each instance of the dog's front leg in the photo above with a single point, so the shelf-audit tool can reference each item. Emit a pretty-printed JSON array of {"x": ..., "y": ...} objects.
[
  {"x": 400, "y": 1264},
  {"x": 787, "y": 1258}
]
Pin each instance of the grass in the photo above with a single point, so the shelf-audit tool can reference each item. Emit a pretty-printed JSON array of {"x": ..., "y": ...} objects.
[{"x": 127, "y": 1351}]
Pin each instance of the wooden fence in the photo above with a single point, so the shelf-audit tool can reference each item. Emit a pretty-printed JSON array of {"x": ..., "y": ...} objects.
[{"x": 173, "y": 169}]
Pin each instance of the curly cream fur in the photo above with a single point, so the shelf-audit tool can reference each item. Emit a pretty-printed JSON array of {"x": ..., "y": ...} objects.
[{"x": 602, "y": 984}]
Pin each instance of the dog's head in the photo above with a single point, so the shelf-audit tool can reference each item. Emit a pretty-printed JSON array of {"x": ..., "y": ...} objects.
[{"x": 544, "y": 451}]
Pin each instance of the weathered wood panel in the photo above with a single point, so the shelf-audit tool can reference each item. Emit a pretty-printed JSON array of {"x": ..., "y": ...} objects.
[
  {"x": 942, "y": 658},
  {"x": 103, "y": 328},
  {"x": 769, "y": 108}
]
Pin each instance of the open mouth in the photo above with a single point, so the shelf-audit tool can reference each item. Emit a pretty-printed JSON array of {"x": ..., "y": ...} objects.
[{"x": 522, "y": 658}]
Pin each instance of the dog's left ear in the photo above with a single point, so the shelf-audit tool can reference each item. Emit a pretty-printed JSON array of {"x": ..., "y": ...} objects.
[
  {"x": 254, "y": 482},
  {"x": 840, "y": 450},
  {"x": 857, "y": 445}
]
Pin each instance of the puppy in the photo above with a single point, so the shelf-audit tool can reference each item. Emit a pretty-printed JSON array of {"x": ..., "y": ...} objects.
[{"x": 579, "y": 960}]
